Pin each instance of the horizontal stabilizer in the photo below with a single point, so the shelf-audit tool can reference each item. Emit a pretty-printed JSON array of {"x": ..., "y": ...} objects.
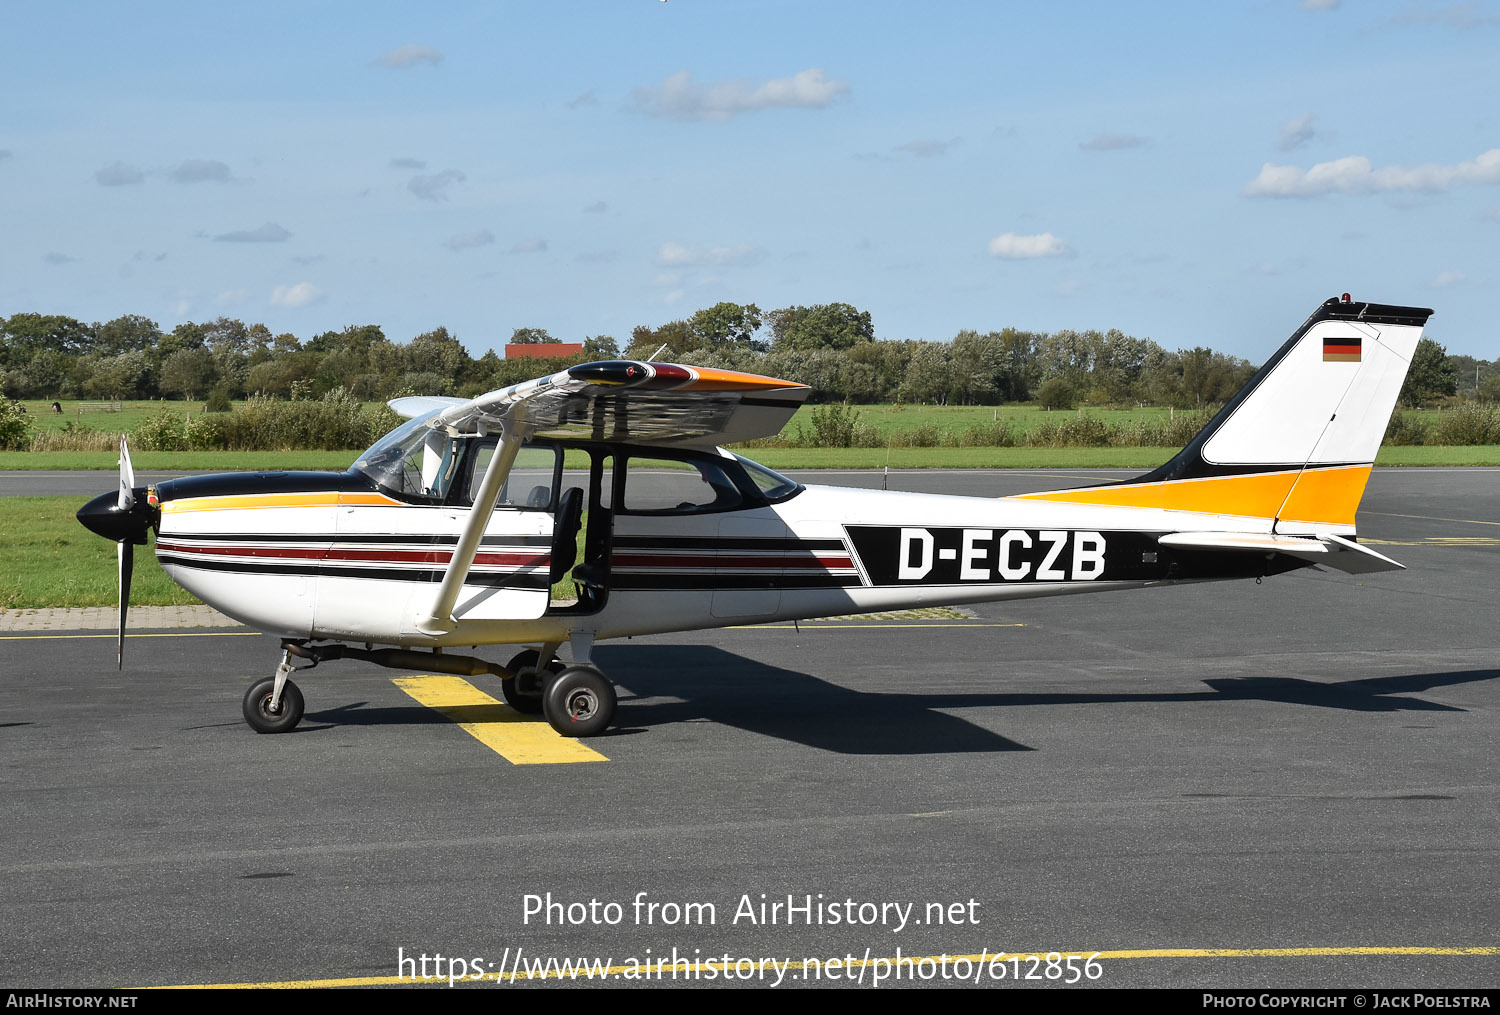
[{"x": 1334, "y": 551}]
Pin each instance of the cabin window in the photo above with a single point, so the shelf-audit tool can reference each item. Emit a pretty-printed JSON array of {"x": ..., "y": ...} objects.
[
  {"x": 533, "y": 478},
  {"x": 677, "y": 486},
  {"x": 773, "y": 485},
  {"x": 412, "y": 460}
]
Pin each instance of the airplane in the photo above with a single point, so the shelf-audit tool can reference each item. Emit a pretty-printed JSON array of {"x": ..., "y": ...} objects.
[{"x": 453, "y": 529}]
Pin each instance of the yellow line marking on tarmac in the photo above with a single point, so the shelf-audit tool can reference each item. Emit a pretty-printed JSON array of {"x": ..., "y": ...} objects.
[
  {"x": 203, "y": 634},
  {"x": 519, "y": 739},
  {"x": 658, "y": 970},
  {"x": 1438, "y": 541},
  {"x": 1431, "y": 518},
  {"x": 851, "y": 626}
]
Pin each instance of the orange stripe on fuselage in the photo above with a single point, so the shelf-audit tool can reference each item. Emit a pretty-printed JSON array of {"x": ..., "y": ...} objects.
[
  {"x": 238, "y": 502},
  {"x": 1317, "y": 495},
  {"x": 1329, "y": 496}
]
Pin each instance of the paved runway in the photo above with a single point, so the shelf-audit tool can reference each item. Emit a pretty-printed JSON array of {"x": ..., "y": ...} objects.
[{"x": 1307, "y": 766}]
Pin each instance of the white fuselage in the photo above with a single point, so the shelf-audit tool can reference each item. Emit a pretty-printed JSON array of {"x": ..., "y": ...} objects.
[{"x": 362, "y": 567}]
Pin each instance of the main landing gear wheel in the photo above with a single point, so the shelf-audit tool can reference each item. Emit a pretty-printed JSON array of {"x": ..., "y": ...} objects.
[
  {"x": 580, "y": 702},
  {"x": 257, "y": 707},
  {"x": 523, "y": 689}
]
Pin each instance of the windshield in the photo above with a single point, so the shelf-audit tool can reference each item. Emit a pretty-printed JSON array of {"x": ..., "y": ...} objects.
[
  {"x": 412, "y": 459},
  {"x": 774, "y": 485}
]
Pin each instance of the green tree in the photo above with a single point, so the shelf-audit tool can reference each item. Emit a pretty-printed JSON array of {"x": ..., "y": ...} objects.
[
  {"x": 127, "y": 375},
  {"x": 188, "y": 372},
  {"x": 130, "y": 333},
  {"x": 824, "y": 326},
  {"x": 677, "y": 337},
  {"x": 1056, "y": 393},
  {"x": 22, "y": 336},
  {"x": 1431, "y": 377},
  {"x": 599, "y": 347},
  {"x": 532, "y": 336},
  {"x": 727, "y": 324}
]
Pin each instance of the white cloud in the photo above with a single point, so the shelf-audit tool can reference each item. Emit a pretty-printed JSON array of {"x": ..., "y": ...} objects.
[
  {"x": 680, "y": 255},
  {"x": 434, "y": 187},
  {"x": 408, "y": 164},
  {"x": 468, "y": 241},
  {"x": 1459, "y": 15},
  {"x": 1296, "y": 133},
  {"x": 929, "y": 148},
  {"x": 534, "y": 245},
  {"x": 118, "y": 174},
  {"x": 201, "y": 171},
  {"x": 679, "y": 97},
  {"x": 1113, "y": 142},
  {"x": 268, "y": 233},
  {"x": 230, "y": 297},
  {"x": 1448, "y": 278},
  {"x": 299, "y": 295},
  {"x": 1355, "y": 175},
  {"x": 408, "y": 55},
  {"x": 1016, "y": 248}
]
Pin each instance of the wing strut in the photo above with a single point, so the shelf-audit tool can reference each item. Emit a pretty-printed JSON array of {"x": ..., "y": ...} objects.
[{"x": 440, "y": 619}]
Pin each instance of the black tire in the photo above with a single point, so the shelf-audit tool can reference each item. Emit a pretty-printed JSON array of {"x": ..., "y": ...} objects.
[
  {"x": 523, "y": 689},
  {"x": 580, "y": 702},
  {"x": 257, "y": 707}
]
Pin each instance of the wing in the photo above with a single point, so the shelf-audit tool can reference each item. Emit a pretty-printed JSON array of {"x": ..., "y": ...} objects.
[
  {"x": 413, "y": 406},
  {"x": 640, "y": 403}
]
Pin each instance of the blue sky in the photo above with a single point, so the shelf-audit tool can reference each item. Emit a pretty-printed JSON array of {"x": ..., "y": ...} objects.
[{"x": 1201, "y": 174}]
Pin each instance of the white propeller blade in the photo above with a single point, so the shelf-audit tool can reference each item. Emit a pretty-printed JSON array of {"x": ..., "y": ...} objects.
[{"x": 126, "y": 500}]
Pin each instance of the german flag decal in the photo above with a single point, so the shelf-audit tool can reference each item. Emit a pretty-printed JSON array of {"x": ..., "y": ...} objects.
[{"x": 1341, "y": 350}]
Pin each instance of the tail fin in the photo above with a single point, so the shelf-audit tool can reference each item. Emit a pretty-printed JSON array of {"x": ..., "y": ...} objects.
[{"x": 1294, "y": 447}]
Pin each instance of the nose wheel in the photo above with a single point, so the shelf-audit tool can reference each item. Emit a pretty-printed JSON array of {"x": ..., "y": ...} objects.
[{"x": 579, "y": 702}]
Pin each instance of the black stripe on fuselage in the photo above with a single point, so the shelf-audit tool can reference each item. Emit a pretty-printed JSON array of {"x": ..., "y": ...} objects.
[
  {"x": 711, "y": 544},
  {"x": 896, "y": 556},
  {"x": 224, "y": 484},
  {"x": 667, "y": 582}
]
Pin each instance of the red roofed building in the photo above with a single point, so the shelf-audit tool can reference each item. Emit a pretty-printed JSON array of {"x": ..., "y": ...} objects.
[{"x": 542, "y": 350}]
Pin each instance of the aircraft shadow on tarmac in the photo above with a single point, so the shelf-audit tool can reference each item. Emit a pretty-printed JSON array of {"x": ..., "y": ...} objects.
[{"x": 710, "y": 684}]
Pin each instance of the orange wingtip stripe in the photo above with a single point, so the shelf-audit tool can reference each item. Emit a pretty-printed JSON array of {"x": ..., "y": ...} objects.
[
  {"x": 733, "y": 380},
  {"x": 1328, "y": 496}
]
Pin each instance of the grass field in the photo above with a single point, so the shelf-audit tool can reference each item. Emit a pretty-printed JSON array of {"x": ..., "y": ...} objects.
[
  {"x": 48, "y": 559},
  {"x": 131, "y": 415}
]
